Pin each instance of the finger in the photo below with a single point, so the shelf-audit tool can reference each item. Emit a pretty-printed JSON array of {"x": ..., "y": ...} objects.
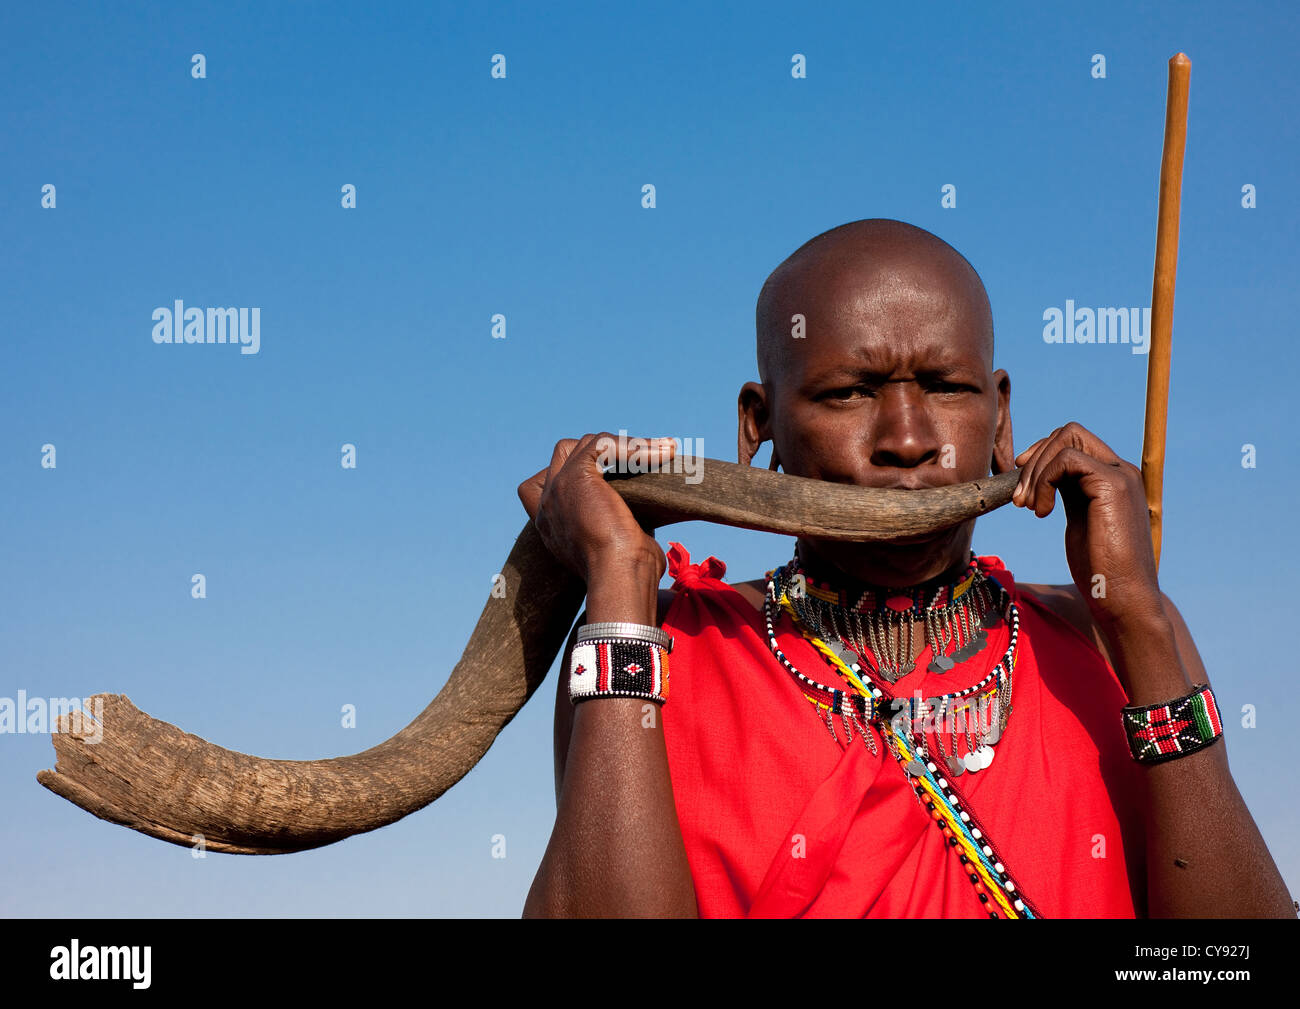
[
  {"x": 530, "y": 492},
  {"x": 1079, "y": 477},
  {"x": 1072, "y": 436},
  {"x": 564, "y": 448},
  {"x": 1025, "y": 485},
  {"x": 629, "y": 455},
  {"x": 1023, "y": 460},
  {"x": 1029, "y": 451},
  {"x": 1081, "y": 438},
  {"x": 532, "y": 489}
]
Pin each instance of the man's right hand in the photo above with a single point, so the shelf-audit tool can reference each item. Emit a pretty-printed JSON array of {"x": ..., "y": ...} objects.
[{"x": 586, "y": 524}]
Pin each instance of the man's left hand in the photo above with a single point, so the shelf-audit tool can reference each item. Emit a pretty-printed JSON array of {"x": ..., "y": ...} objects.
[{"x": 1108, "y": 530}]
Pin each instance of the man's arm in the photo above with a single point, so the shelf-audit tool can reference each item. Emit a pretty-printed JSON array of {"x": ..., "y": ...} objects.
[
  {"x": 1205, "y": 855},
  {"x": 616, "y": 849},
  {"x": 564, "y": 708}
]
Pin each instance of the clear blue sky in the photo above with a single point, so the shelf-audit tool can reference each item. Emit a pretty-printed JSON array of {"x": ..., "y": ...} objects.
[{"x": 522, "y": 196}]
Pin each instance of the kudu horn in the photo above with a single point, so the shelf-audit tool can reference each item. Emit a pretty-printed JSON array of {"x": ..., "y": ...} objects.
[{"x": 151, "y": 776}]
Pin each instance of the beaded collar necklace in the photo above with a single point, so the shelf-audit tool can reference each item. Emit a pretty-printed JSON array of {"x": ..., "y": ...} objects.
[
  {"x": 865, "y": 704},
  {"x": 867, "y": 598},
  {"x": 879, "y": 623}
]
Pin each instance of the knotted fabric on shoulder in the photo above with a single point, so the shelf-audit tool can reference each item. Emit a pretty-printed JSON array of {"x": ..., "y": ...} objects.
[{"x": 151, "y": 776}]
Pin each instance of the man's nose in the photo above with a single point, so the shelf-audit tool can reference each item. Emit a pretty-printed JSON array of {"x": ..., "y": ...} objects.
[{"x": 904, "y": 433}]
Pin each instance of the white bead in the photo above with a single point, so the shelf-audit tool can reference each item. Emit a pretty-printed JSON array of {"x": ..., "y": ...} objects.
[
  {"x": 998, "y": 867},
  {"x": 975, "y": 833},
  {"x": 965, "y": 816}
]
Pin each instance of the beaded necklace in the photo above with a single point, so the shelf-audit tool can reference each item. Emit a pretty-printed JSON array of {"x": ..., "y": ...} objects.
[
  {"x": 978, "y": 713},
  {"x": 866, "y": 704},
  {"x": 880, "y": 622}
]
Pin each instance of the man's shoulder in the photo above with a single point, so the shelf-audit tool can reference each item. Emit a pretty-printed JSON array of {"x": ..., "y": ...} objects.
[
  {"x": 1064, "y": 600},
  {"x": 751, "y": 591},
  {"x": 1068, "y": 603}
]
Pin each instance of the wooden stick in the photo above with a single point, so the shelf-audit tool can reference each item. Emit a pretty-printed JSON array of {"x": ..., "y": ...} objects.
[{"x": 1162, "y": 294}]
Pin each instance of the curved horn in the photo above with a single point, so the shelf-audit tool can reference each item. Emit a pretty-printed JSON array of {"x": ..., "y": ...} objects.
[{"x": 151, "y": 776}]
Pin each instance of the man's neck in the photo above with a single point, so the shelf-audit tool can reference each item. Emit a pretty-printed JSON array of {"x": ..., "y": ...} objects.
[{"x": 858, "y": 566}]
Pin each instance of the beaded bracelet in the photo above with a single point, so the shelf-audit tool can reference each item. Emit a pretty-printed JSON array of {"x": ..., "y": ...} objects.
[
  {"x": 619, "y": 660},
  {"x": 1172, "y": 729}
]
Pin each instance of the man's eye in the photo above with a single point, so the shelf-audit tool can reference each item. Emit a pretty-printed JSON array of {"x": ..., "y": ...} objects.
[{"x": 849, "y": 392}]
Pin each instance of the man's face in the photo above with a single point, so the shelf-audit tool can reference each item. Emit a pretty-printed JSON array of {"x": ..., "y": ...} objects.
[{"x": 892, "y": 386}]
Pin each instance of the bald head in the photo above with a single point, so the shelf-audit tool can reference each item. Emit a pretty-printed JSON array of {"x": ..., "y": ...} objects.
[{"x": 855, "y": 272}]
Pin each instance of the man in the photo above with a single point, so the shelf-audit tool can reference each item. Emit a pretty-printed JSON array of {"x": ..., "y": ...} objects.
[{"x": 731, "y": 800}]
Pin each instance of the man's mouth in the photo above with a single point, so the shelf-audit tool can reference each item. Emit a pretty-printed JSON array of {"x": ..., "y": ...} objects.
[{"x": 919, "y": 538}]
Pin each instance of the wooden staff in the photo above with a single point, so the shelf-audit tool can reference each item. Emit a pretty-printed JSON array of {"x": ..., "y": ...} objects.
[{"x": 1162, "y": 293}]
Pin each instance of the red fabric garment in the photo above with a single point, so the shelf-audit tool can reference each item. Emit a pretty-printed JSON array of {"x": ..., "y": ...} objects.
[{"x": 780, "y": 820}]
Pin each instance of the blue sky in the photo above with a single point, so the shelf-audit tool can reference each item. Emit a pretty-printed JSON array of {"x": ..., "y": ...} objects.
[{"x": 522, "y": 196}]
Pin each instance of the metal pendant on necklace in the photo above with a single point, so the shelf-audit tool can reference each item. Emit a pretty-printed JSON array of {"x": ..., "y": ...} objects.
[
  {"x": 883, "y": 640},
  {"x": 958, "y": 622},
  {"x": 980, "y": 759},
  {"x": 943, "y": 663},
  {"x": 979, "y": 755},
  {"x": 972, "y": 647}
]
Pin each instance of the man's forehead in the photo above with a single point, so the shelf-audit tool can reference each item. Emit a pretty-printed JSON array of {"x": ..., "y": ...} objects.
[
  {"x": 877, "y": 313},
  {"x": 857, "y": 353},
  {"x": 874, "y": 291},
  {"x": 865, "y": 286}
]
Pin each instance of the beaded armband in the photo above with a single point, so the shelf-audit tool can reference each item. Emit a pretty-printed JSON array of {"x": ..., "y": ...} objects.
[
  {"x": 1159, "y": 732},
  {"x": 624, "y": 663}
]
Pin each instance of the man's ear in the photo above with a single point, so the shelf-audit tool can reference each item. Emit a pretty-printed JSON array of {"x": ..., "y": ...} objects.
[
  {"x": 752, "y": 423},
  {"x": 1004, "y": 453}
]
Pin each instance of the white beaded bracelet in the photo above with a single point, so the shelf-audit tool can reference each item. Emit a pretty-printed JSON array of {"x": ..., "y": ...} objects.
[{"x": 615, "y": 667}]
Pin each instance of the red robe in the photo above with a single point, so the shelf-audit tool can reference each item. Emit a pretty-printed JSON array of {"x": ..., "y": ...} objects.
[{"x": 780, "y": 820}]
